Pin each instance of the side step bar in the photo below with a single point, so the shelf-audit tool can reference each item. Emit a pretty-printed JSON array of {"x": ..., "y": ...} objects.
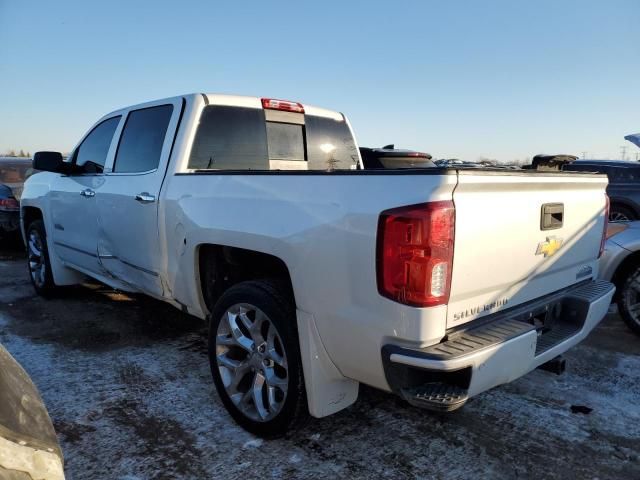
[{"x": 436, "y": 396}]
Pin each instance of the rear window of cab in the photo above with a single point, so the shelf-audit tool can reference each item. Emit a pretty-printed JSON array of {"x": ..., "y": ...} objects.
[{"x": 238, "y": 138}]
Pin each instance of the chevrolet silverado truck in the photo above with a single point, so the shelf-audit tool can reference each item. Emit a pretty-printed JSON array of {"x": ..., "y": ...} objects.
[{"x": 313, "y": 273}]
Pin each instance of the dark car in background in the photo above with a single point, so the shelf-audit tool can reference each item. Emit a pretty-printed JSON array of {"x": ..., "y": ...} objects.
[
  {"x": 9, "y": 212},
  {"x": 391, "y": 157},
  {"x": 624, "y": 185},
  {"x": 13, "y": 173},
  {"x": 620, "y": 265}
]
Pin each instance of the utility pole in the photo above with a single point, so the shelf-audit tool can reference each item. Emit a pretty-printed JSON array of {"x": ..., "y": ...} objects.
[
  {"x": 584, "y": 155},
  {"x": 623, "y": 152}
]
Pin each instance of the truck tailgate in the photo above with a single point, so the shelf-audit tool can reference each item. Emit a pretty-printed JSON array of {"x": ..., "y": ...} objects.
[{"x": 505, "y": 255}]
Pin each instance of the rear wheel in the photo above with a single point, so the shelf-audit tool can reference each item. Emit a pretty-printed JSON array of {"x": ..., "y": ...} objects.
[
  {"x": 620, "y": 213},
  {"x": 255, "y": 358},
  {"x": 629, "y": 300},
  {"x": 38, "y": 259}
]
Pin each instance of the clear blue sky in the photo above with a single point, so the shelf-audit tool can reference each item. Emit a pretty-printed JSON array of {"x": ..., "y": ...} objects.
[{"x": 501, "y": 79}]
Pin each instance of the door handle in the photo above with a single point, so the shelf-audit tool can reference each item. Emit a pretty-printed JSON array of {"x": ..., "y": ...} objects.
[
  {"x": 87, "y": 192},
  {"x": 145, "y": 197}
]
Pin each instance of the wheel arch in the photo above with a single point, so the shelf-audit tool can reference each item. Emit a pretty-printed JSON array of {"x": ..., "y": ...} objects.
[
  {"x": 219, "y": 267},
  {"x": 62, "y": 275},
  {"x": 626, "y": 204},
  {"x": 327, "y": 390},
  {"x": 631, "y": 262},
  {"x": 28, "y": 215}
]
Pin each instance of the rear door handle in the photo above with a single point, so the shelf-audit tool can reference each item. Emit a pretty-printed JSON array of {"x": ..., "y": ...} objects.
[
  {"x": 87, "y": 192},
  {"x": 145, "y": 197}
]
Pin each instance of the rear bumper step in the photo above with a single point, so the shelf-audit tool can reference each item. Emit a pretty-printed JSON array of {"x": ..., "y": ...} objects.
[{"x": 500, "y": 349}]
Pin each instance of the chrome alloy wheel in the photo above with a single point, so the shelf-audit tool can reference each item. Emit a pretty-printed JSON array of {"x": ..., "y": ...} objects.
[
  {"x": 37, "y": 264},
  {"x": 252, "y": 362},
  {"x": 618, "y": 217},
  {"x": 630, "y": 298}
]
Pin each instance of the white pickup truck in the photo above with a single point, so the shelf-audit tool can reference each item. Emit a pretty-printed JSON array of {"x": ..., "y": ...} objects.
[{"x": 314, "y": 274}]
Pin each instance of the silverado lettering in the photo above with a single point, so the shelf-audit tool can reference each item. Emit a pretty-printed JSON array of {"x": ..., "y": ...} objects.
[{"x": 483, "y": 308}]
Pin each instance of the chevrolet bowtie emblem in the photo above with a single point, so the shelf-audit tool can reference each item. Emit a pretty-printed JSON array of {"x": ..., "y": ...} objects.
[{"x": 550, "y": 247}]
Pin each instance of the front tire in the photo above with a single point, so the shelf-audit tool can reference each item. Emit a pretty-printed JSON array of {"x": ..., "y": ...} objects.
[
  {"x": 38, "y": 259},
  {"x": 255, "y": 360},
  {"x": 629, "y": 300}
]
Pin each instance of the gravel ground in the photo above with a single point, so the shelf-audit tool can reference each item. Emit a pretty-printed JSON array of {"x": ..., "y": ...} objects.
[{"x": 127, "y": 384}]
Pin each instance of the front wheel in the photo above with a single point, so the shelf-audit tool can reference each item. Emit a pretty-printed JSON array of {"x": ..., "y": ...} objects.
[
  {"x": 38, "y": 259},
  {"x": 629, "y": 300},
  {"x": 255, "y": 358}
]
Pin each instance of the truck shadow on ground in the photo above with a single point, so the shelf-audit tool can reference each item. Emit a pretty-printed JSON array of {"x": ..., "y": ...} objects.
[
  {"x": 89, "y": 317},
  {"x": 94, "y": 317}
]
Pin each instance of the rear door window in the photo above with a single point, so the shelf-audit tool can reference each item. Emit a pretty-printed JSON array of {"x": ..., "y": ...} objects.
[{"x": 142, "y": 139}]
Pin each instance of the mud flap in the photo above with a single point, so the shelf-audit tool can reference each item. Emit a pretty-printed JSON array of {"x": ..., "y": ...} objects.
[{"x": 328, "y": 391}]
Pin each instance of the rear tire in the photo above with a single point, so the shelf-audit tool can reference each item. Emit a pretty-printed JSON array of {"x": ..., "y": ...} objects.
[
  {"x": 254, "y": 357},
  {"x": 38, "y": 260},
  {"x": 629, "y": 300}
]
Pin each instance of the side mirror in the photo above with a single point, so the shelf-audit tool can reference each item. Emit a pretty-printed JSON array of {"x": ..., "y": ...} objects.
[{"x": 48, "y": 162}]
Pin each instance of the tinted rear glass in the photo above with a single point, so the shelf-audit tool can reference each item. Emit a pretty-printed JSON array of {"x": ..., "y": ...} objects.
[
  {"x": 236, "y": 138},
  {"x": 142, "y": 139},
  {"x": 330, "y": 144},
  {"x": 285, "y": 141},
  {"x": 230, "y": 138}
]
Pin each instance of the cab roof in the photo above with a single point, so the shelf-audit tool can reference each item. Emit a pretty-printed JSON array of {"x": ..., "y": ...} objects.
[{"x": 235, "y": 101}]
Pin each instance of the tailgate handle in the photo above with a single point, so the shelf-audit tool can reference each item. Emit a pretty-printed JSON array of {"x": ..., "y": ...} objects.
[{"x": 552, "y": 216}]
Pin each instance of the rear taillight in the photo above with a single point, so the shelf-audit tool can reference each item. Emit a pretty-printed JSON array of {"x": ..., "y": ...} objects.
[
  {"x": 415, "y": 253},
  {"x": 285, "y": 105},
  {"x": 605, "y": 223},
  {"x": 9, "y": 203}
]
